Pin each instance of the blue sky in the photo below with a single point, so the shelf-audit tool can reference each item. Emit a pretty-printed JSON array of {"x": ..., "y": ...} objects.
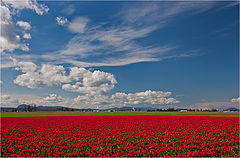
[{"x": 106, "y": 54}]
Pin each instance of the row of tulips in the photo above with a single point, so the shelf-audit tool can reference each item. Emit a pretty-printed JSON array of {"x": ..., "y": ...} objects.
[{"x": 120, "y": 136}]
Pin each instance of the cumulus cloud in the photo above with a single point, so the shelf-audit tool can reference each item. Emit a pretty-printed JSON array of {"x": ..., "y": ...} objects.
[
  {"x": 215, "y": 105},
  {"x": 27, "y": 36},
  {"x": 236, "y": 100},
  {"x": 93, "y": 85},
  {"x": 13, "y": 100},
  {"x": 119, "y": 99},
  {"x": 78, "y": 80},
  {"x": 61, "y": 20},
  {"x": 53, "y": 98},
  {"x": 39, "y": 77},
  {"x": 9, "y": 38},
  {"x": 27, "y": 4},
  {"x": 147, "y": 97},
  {"x": 5, "y": 15},
  {"x": 5, "y": 97},
  {"x": 78, "y": 25},
  {"x": 7, "y": 100},
  {"x": 24, "y": 25},
  {"x": 92, "y": 82},
  {"x": 138, "y": 99}
]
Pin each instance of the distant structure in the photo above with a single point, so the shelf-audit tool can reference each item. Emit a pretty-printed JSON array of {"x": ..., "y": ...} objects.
[
  {"x": 183, "y": 110},
  {"x": 33, "y": 107}
]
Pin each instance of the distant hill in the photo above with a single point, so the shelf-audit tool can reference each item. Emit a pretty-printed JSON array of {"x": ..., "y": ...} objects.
[
  {"x": 21, "y": 106},
  {"x": 55, "y": 108},
  {"x": 8, "y": 109},
  {"x": 231, "y": 109}
]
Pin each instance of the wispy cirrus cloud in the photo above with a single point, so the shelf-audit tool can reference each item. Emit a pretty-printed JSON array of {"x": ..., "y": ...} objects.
[
  {"x": 118, "y": 43},
  {"x": 78, "y": 25},
  {"x": 160, "y": 13},
  {"x": 68, "y": 10}
]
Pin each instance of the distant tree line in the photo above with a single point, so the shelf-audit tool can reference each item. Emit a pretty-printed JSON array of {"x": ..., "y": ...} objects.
[
  {"x": 29, "y": 108},
  {"x": 173, "y": 109}
]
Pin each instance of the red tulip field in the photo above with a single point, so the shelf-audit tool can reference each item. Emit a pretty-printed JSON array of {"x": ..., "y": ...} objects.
[{"x": 120, "y": 136}]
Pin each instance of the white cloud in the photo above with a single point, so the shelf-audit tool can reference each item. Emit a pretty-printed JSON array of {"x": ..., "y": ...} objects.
[
  {"x": 7, "y": 100},
  {"x": 139, "y": 12},
  {"x": 145, "y": 98},
  {"x": 101, "y": 41},
  {"x": 27, "y": 36},
  {"x": 24, "y": 25},
  {"x": 1, "y": 83},
  {"x": 215, "y": 105},
  {"x": 78, "y": 25},
  {"x": 92, "y": 82},
  {"x": 6, "y": 61},
  {"x": 53, "y": 98},
  {"x": 78, "y": 80},
  {"x": 61, "y": 20},
  {"x": 39, "y": 77},
  {"x": 5, "y": 97},
  {"x": 138, "y": 99},
  {"x": 68, "y": 10},
  {"x": 180, "y": 95},
  {"x": 9, "y": 38},
  {"x": 25, "y": 66},
  {"x": 112, "y": 47},
  {"x": 160, "y": 13},
  {"x": 13, "y": 100},
  {"x": 10, "y": 43},
  {"x": 117, "y": 43},
  {"x": 236, "y": 100},
  {"x": 90, "y": 101},
  {"x": 27, "y": 4},
  {"x": 5, "y": 15}
]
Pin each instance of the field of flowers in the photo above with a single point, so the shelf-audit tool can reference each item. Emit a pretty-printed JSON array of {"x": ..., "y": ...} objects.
[{"x": 127, "y": 136}]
